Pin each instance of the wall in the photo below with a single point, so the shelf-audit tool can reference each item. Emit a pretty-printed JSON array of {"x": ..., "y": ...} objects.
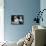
[
  {"x": 1, "y": 20},
  {"x": 15, "y": 7},
  {"x": 43, "y": 6}
]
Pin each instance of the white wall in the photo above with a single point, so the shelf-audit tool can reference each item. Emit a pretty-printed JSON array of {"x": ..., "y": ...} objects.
[
  {"x": 1, "y": 20},
  {"x": 43, "y": 6}
]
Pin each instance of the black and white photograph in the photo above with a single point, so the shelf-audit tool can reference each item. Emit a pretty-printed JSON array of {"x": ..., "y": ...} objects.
[{"x": 17, "y": 19}]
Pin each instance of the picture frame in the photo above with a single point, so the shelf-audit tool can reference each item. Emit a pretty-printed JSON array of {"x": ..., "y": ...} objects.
[{"x": 17, "y": 19}]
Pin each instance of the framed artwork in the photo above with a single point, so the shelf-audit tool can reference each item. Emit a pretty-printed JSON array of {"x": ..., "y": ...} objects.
[{"x": 17, "y": 19}]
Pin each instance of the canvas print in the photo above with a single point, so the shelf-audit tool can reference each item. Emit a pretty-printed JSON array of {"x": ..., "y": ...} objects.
[{"x": 17, "y": 19}]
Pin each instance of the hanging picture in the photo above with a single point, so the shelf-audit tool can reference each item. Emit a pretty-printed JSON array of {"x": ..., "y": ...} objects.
[{"x": 17, "y": 19}]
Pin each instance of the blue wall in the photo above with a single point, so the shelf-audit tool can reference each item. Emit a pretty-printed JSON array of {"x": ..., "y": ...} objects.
[{"x": 15, "y": 7}]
